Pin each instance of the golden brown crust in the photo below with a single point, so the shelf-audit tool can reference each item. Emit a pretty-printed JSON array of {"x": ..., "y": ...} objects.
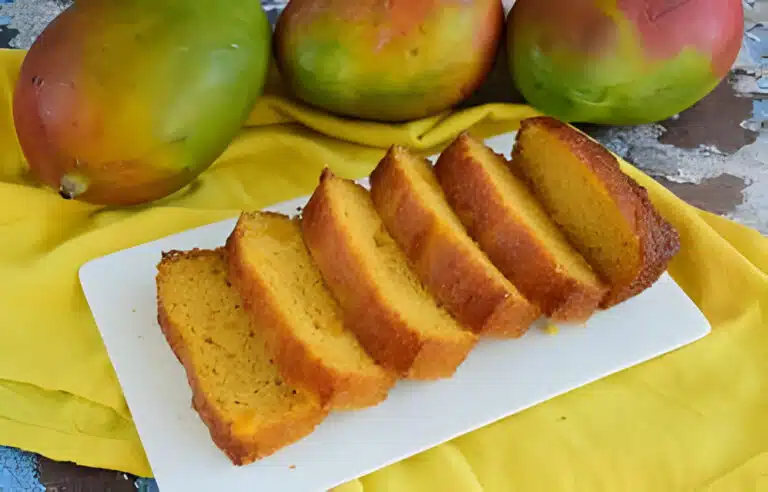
[
  {"x": 658, "y": 240},
  {"x": 508, "y": 242},
  {"x": 240, "y": 449},
  {"x": 471, "y": 289},
  {"x": 376, "y": 323},
  {"x": 295, "y": 361}
]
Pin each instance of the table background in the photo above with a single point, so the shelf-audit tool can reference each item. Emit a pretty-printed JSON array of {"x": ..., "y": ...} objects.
[{"x": 714, "y": 156}]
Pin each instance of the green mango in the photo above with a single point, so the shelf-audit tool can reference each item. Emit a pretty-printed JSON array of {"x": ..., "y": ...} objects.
[
  {"x": 125, "y": 102},
  {"x": 387, "y": 61},
  {"x": 621, "y": 61}
]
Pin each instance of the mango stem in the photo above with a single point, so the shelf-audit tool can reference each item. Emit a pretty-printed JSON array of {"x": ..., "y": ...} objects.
[{"x": 72, "y": 185}]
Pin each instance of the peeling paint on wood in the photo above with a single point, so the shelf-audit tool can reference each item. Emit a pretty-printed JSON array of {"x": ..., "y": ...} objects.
[
  {"x": 29, "y": 18},
  {"x": 18, "y": 471},
  {"x": 6, "y": 34},
  {"x": 720, "y": 195},
  {"x": 64, "y": 477},
  {"x": 713, "y": 121}
]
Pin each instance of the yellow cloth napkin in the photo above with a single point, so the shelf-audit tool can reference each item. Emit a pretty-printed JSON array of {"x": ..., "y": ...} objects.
[{"x": 692, "y": 419}]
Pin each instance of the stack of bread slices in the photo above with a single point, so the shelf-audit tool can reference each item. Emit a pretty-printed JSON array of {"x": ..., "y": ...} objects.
[{"x": 296, "y": 317}]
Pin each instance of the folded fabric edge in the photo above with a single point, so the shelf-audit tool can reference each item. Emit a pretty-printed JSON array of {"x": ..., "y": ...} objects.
[
  {"x": 54, "y": 423},
  {"x": 751, "y": 474},
  {"x": 746, "y": 235},
  {"x": 420, "y": 134},
  {"x": 83, "y": 450}
]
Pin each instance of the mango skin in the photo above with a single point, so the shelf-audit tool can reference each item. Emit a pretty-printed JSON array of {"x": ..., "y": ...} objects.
[
  {"x": 121, "y": 103},
  {"x": 621, "y": 61},
  {"x": 392, "y": 60}
]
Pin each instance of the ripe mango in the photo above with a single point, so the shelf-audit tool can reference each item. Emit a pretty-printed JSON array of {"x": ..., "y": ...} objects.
[
  {"x": 125, "y": 102},
  {"x": 387, "y": 60},
  {"x": 621, "y": 61}
]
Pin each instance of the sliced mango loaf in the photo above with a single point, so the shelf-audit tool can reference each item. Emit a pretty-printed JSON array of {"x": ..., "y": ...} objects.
[
  {"x": 512, "y": 228},
  {"x": 604, "y": 212},
  {"x": 237, "y": 390},
  {"x": 412, "y": 206},
  {"x": 389, "y": 309},
  {"x": 302, "y": 322}
]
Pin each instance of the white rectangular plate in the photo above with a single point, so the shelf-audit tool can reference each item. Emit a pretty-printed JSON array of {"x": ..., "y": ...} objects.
[{"x": 120, "y": 289}]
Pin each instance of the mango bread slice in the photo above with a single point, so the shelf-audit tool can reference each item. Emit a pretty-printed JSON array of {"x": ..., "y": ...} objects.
[
  {"x": 302, "y": 322},
  {"x": 509, "y": 224},
  {"x": 604, "y": 212},
  {"x": 391, "y": 312},
  {"x": 462, "y": 278},
  {"x": 237, "y": 390}
]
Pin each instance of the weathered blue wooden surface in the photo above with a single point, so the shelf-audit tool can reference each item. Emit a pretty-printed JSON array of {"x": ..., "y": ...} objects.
[{"x": 18, "y": 471}]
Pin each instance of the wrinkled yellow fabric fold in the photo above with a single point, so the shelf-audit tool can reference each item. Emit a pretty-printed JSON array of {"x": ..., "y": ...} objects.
[{"x": 692, "y": 419}]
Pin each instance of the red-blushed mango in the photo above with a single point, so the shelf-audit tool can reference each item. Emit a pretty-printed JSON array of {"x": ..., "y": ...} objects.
[
  {"x": 387, "y": 60},
  {"x": 621, "y": 61},
  {"x": 126, "y": 102}
]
